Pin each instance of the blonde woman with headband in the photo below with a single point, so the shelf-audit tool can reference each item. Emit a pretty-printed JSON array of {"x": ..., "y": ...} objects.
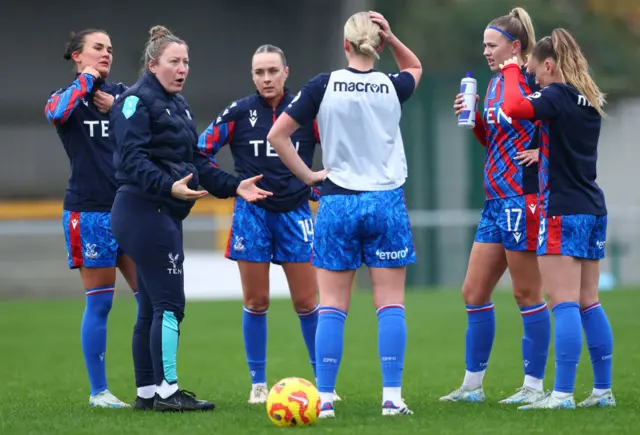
[
  {"x": 507, "y": 233},
  {"x": 362, "y": 215}
]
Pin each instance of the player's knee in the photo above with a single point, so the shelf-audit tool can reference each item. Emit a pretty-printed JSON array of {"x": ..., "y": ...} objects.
[
  {"x": 526, "y": 296},
  {"x": 527, "y": 292},
  {"x": 474, "y": 294},
  {"x": 588, "y": 299},
  {"x": 304, "y": 305},
  {"x": 588, "y": 294},
  {"x": 257, "y": 302}
]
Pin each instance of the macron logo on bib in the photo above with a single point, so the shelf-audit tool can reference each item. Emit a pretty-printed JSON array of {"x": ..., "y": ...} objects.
[{"x": 375, "y": 88}]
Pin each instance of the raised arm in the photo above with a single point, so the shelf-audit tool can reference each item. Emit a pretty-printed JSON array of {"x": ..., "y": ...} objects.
[
  {"x": 61, "y": 104},
  {"x": 405, "y": 58}
]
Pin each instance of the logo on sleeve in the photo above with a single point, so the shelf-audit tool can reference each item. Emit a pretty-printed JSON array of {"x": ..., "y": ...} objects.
[
  {"x": 226, "y": 112},
  {"x": 130, "y": 105},
  {"x": 295, "y": 99}
]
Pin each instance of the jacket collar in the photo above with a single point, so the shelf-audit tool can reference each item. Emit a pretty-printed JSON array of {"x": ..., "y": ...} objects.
[
  {"x": 152, "y": 81},
  {"x": 266, "y": 103}
]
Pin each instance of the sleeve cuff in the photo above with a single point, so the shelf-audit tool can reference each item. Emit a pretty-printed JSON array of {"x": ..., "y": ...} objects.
[{"x": 233, "y": 186}]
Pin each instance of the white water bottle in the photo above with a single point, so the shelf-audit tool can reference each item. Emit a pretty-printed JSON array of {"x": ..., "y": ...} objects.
[{"x": 469, "y": 90}]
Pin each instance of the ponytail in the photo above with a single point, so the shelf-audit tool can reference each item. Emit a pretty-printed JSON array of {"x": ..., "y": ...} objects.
[
  {"x": 574, "y": 68},
  {"x": 527, "y": 25},
  {"x": 518, "y": 27}
]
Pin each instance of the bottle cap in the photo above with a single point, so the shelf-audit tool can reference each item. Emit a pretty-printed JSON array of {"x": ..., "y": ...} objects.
[{"x": 469, "y": 75}]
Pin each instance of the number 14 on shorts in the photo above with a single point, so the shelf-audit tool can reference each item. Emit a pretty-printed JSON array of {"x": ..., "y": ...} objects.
[{"x": 307, "y": 229}]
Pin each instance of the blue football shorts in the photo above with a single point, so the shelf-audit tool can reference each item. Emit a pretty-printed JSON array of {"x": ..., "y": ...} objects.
[
  {"x": 579, "y": 235},
  {"x": 368, "y": 227},
  {"x": 512, "y": 222},
  {"x": 264, "y": 236},
  {"x": 89, "y": 240}
]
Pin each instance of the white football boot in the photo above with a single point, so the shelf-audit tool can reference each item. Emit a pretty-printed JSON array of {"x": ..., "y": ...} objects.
[
  {"x": 463, "y": 394},
  {"x": 549, "y": 401},
  {"x": 524, "y": 396},
  {"x": 327, "y": 411},
  {"x": 259, "y": 393},
  {"x": 105, "y": 399},
  {"x": 395, "y": 408},
  {"x": 603, "y": 400}
]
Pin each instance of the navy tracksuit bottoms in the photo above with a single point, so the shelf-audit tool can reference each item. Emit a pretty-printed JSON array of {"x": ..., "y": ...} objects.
[{"x": 153, "y": 239}]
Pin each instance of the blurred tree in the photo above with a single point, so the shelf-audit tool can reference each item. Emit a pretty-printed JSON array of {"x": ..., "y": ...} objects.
[
  {"x": 627, "y": 11},
  {"x": 447, "y": 34}
]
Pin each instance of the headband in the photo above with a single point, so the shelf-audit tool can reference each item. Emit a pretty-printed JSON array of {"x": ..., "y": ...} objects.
[{"x": 507, "y": 34}]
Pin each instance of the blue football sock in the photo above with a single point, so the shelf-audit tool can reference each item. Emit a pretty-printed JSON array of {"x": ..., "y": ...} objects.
[
  {"x": 568, "y": 345},
  {"x": 254, "y": 329},
  {"x": 481, "y": 330},
  {"x": 93, "y": 335},
  {"x": 392, "y": 343},
  {"x": 329, "y": 343},
  {"x": 536, "y": 340},
  {"x": 309, "y": 325},
  {"x": 599, "y": 335}
]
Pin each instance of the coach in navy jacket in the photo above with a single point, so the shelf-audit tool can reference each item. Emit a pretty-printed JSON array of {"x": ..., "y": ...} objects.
[
  {"x": 156, "y": 138},
  {"x": 158, "y": 169}
]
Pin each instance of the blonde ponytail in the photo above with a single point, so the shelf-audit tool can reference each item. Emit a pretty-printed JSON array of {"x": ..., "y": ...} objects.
[
  {"x": 525, "y": 19},
  {"x": 363, "y": 34},
  {"x": 575, "y": 69}
]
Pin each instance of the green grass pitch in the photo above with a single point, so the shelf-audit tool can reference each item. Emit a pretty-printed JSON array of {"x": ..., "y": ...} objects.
[{"x": 44, "y": 387}]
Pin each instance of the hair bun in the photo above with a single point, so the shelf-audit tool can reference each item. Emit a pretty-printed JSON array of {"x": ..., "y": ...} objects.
[
  {"x": 157, "y": 32},
  {"x": 68, "y": 46}
]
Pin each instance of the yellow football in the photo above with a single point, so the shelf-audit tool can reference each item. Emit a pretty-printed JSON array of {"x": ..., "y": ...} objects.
[{"x": 293, "y": 402}]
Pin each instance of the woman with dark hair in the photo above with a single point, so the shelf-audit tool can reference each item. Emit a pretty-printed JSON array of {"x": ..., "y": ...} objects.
[{"x": 79, "y": 113}]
